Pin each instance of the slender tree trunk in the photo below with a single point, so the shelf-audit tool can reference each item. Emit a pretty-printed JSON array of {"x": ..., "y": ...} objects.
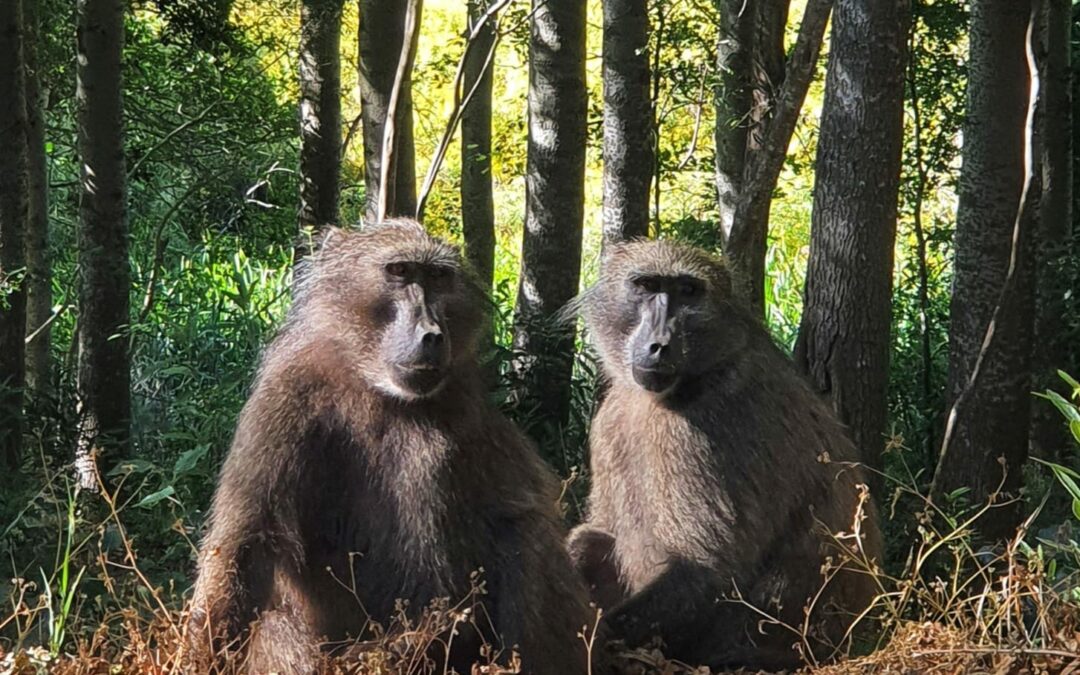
[
  {"x": 320, "y": 116},
  {"x": 773, "y": 117},
  {"x": 734, "y": 98},
  {"x": 554, "y": 209},
  {"x": 989, "y": 416},
  {"x": 13, "y": 216},
  {"x": 104, "y": 377},
  {"x": 628, "y": 120},
  {"x": 477, "y": 200},
  {"x": 382, "y": 31},
  {"x": 1049, "y": 437},
  {"x": 844, "y": 339},
  {"x": 38, "y": 264}
]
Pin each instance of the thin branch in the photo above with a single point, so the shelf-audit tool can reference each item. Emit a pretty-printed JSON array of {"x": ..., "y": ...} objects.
[
  {"x": 460, "y": 102},
  {"x": 172, "y": 134},
  {"x": 408, "y": 48}
]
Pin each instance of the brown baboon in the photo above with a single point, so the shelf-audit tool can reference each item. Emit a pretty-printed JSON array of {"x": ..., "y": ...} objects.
[
  {"x": 367, "y": 468},
  {"x": 716, "y": 472}
]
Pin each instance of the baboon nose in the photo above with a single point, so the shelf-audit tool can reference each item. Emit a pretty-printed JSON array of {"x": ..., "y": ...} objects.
[
  {"x": 657, "y": 348},
  {"x": 432, "y": 338}
]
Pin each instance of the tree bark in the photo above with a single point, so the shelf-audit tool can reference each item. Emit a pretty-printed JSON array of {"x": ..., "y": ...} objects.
[
  {"x": 628, "y": 120},
  {"x": 745, "y": 245},
  {"x": 734, "y": 97},
  {"x": 320, "y": 116},
  {"x": 844, "y": 339},
  {"x": 38, "y": 264},
  {"x": 13, "y": 217},
  {"x": 477, "y": 199},
  {"x": 382, "y": 31},
  {"x": 104, "y": 378},
  {"x": 1049, "y": 436},
  {"x": 554, "y": 206},
  {"x": 989, "y": 416}
]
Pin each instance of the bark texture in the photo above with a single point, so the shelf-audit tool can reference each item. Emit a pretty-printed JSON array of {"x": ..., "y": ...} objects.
[
  {"x": 990, "y": 421},
  {"x": 13, "y": 214},
  {"x": 628, "y": 120},
  {"x": 1049, "y": 437},
  {"x": 382, "y": 31},
  {"x": 554, "y": 210},
  {"x": 104, "y": 379},
  {"x": 477, "y": 200},
  {"x": 39, "y": 381},
  {"x": 320, "y": 115},
  {"x": 844, "y": 338}
]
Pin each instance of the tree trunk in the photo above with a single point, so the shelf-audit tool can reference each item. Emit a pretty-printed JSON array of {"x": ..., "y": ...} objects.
[
  {"x": 628, "y": 120},
  {"x": 477, "y": 200},
  {"x": 13, "y": 216},
  {"x": 104, "y": 378},
  {"x": 38, "y": 265},
  {"x": 382, "y": 31},
  {"x": 774, "y": 116},
  {"x": 844, "y": 339},
  {"x": 554, "y": 207},
  {"x": 1049, "y": 436},
  {"x": 320, "y": 116},
  {"x": 734, "y": 98},
  {"x": 989, "y": 418}
]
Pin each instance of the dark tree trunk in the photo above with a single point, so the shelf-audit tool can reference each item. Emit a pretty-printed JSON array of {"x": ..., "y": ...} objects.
[
  {"x": 13, "y": 216},
  {"x": 382, "y": 31},
  {"x": 990, "y": 420},
  {"x": 554, "y": 209},
  {"x": 1049, "y": 436},
  {"x": 779, "y": 94},
  {"x": 628, "y": 120},
  {"x": 477, "y": 200},
  {"x": 38, "y": 264},
  {"x": 844, "y": 338},
  {"x": 104, "y": 377},
  {"x": 320, "y": 116}
]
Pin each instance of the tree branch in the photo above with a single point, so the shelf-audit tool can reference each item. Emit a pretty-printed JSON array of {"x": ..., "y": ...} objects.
[{"x": 408, "y": 50}]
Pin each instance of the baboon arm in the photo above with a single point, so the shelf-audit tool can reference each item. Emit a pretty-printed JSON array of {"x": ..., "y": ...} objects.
[
  {"x": 680, "y": 603},
  {"x": 252, "y": 526},
  {"x": 592, "y": 553}
]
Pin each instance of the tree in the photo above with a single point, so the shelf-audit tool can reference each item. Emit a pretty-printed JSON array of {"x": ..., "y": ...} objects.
[
  {"x": 554, "y": 204},
  {"x": 38, "y": 264},
  {"x": 628, "y": 122},
  {"x": 1049, "y": 438},
  {"x": 13, "y": 216},
  {"x": 844, "y": 337},
  {"x": 989, "y": 381},
  {"x": 477, "y": 200},
  {"x": 320, "y": 113},
  {"x": 382, "y": 34},
  {"x": 758, "y": 104},
  {"x": 104, "y": 377}
]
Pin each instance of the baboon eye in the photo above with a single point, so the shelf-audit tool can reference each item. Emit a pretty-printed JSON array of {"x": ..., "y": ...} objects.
[
  {"x": 648, "y": 284},
  {"x": 689, "y": 289},
  {"x": 397, "y": 270}
]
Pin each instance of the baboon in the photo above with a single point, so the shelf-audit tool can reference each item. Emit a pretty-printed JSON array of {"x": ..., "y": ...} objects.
[
  {"x": 368, "y": 468},
  {"x": 717, "y": 474}
]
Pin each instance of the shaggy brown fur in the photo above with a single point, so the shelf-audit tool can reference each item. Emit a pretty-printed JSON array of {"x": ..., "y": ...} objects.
[
  {"x": 715, "y": 469},
  {"x": 367, "y": 467}
]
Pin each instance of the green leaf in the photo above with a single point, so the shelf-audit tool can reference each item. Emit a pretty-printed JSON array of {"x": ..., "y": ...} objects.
[
  {"x": 1074, "y": 426},
  {"x": 135, "y": 466},
  {"x": 153, "y": 498},
  {"x": 188, "y": 459},
  {"x": 1062, "y": 404},
  {"x": 1069, "y": 380}
]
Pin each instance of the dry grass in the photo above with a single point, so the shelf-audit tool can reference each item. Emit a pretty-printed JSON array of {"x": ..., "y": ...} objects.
[{"x": 952, "y": 608}]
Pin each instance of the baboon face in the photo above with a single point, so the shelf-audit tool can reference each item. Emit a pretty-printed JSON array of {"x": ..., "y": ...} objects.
[
  {"x": 657, "y": 315},
  {"x": 411, "y": 306}
]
